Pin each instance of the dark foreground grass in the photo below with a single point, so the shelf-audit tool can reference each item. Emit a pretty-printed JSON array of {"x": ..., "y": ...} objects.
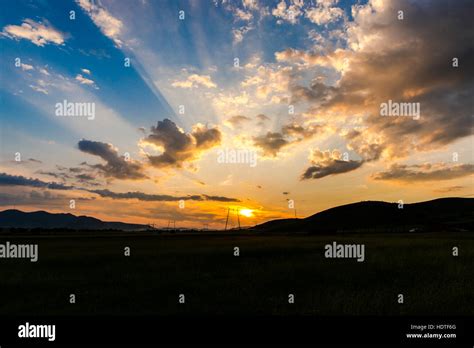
[{"x": 419, "y": 266}]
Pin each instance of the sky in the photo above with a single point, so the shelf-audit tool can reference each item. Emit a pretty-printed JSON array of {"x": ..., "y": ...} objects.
[{"x": 156, "y": 111}]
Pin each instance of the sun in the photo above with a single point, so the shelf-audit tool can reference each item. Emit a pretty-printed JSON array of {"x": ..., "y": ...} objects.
[{"x": 246, "y": 212}]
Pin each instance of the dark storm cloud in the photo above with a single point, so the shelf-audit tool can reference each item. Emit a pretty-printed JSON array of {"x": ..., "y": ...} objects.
[
  {"x": 206, "y": 138},
  {"x": 178, "y": 146},
  {"x": 334, "y": 167},
  {"x": 272, "y": 142},
  {"x": 317, "y": 91},
  {"x": 116, "y": 166},
  {"x": 220, "y": 198},
  {"x": 19, "y": 180},
  {"x": 325, "y": 163}
]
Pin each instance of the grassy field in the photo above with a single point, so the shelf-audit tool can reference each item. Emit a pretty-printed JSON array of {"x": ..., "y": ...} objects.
[{"x": 202, "y": 267}]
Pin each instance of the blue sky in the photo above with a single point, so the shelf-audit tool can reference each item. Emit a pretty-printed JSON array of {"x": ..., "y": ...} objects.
[{"x": 85, "y": 46}]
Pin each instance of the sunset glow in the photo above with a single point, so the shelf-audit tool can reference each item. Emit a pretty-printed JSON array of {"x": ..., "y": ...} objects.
[{"x": 246, "y": 212}]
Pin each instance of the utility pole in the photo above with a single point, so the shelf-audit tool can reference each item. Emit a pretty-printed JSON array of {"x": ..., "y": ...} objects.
[
  {"x": 227, "y": 220},
  {"x": 238, "y": 217}
]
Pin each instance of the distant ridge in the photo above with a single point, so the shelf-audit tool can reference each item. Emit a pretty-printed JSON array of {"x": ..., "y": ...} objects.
[
  {"x": 13, "y": 218},
  {"x": 436, "y": 215}
]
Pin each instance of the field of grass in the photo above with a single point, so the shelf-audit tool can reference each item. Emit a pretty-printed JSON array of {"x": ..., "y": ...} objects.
[{"x": 214, "y": 281}]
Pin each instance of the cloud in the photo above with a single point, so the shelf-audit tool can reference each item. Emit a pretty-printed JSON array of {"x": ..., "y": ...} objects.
[
  {"x": 38, "y": 33},
  {"x": 288, "y": 13},
  {"x": 34, "y": 160},
  {"x": 250, "y": 4},
  {"x": 19, "y": 180},
  {"x": 238, "y": 33},
  {"x": 317, "y": 92},
  {"x": 237, "y": 121},
  {"x": 39, "y": 89},
  {"x": 336, "y": 59},
  {"x": 301, "y": 132},
  {"x": 449, "y": 189},
  {"x": 26, "y": 67},
  {"x": 206, "y": 138},
  {"x": 272, "y": 142},
  {"x": 86, "y": 71},
  {"x": 44, "y": 71},
  {"x": 269, "y": 80},
  {"x": 194, "y": 81},
  {"x": 367, "y": 145},
  {"x": 220, "y": 198},
  {"x": 230, "y": 103},
  {"x": 109, "y": 25},
  {"x": 242, "y": 15},
  {"x": 57, "y": 175},
  {"x": 262, "y": 118},
  {"x": 177, "y": 146},
  {"x": 84, "y": 80},
  {"x": 80, "y": 174},
  {"x": 324, "y": 13},
  {"x": 245, "y": 14},
  {"x": 36, "y": 199},
  {"x": 407, "y": 60},
  {"x": 116, "y": 166},
  {"x": 324, "y": 163},
  {"x": 160, "y": 198},
  {"x": 424, "y": 172}
]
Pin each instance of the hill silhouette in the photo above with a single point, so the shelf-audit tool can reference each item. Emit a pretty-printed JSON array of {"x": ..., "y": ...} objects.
[
  {"x": 443, "y": 214},
  {"x": 41, "y": 219},
  {"x": 436, "y": 215}
]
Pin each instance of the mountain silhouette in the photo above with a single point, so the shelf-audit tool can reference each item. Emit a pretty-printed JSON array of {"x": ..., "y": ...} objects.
[
  {"x": 436, "y": 215},
  {"x": 41, "y": 219}
]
